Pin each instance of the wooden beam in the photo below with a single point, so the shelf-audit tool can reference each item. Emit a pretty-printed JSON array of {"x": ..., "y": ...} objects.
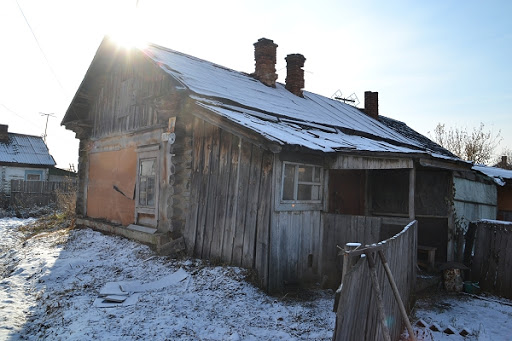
[
  {"x": 397, "y": 296},
  {"x": 412, "y": 186}
]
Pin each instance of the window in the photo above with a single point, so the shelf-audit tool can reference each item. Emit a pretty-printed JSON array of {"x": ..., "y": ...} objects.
[
  {"x": 301, "y": 183},
  {"x": 33, "y": 175},
  {"x": 147, "y": 182}
]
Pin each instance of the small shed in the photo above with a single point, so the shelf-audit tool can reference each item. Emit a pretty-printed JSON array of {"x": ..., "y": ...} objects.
[
  {"x": 503, "y": 181},
  {"x": 246, "y": 170}
]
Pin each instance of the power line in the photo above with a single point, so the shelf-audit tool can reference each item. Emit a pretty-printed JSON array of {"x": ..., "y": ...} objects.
[
  {"x": 19, "y": 115},
  {"x": 41, "y": 49}
]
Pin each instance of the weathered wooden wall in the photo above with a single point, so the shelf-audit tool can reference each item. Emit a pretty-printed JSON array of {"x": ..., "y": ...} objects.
[
  {"x": 492, "y": 259},
  {"x": 38, "y": 193},
  {"x": 304, "y": 244},
  {"x": 9, "y": 173},
  {"x": 474, "y": 200},
  {"x": 337, "y": 230},
  {"x": 357, "y": 315},
  {"x": 134, "y": 95},
  {"x": 230, "y": 199}
]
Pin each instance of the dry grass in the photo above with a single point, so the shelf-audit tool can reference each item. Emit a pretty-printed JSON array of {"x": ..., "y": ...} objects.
[{"x": 63, "y": 218}]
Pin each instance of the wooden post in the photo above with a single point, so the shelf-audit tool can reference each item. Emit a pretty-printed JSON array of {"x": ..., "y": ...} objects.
[
  {"x": 347, "y": 261},
  {"x": 378, "y": 294},
  {"x": 397, "y": 295},
  {"x": 412, "y": 185}
]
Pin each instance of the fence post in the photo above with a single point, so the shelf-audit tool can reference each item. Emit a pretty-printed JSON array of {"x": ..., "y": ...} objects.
[{"x": 348, "y": 262}]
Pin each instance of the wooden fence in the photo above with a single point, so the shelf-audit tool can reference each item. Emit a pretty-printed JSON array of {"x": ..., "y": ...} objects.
[
  {"x": 357, "y": 316},
  {"x": 38, "y": 193},
  {"x": 491, "y": 264}
]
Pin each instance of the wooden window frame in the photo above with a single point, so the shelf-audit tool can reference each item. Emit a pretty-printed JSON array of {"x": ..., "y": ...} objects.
[
  {"x": 33, "y": 172},
  {"x": 295, "y": 204},
  {"x": 145, "y": 153}
]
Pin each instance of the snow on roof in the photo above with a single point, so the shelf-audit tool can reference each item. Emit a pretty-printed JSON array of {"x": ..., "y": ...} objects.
[
  {"x": 25, "y": 149},
  {"x": 499, "y": 175},
  {"x": 314, "y": 122},
  {"x": 314, "y": 138}
]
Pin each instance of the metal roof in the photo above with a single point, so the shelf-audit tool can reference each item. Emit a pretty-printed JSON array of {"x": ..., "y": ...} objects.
[{"x": 25, "y": 149}]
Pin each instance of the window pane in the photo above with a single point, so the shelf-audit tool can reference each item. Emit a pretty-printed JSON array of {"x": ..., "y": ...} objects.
[
  {"x": 32, "y": 177},
  {"x": 142, "y": 191},
  {"x": 288, "y": 182},
  {"x": 316, "y": 178},
  {"x": 304, "y": 192},
  {"x": 150, "y": 191},
  {"x": 305, "y": 173},
  {"x": 147, "y": 167}
]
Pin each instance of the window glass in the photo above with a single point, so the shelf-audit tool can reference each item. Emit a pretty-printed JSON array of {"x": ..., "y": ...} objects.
[
  {"x": 304, "y": 192},
  {"x": 151, "y": 192},
  {"x": 301, "y": 182},
  {"x": 288, "y": 181},
  {"x": 316, "y": 176},
  {"x": 33, "y": 177},
  {"x": 305, "y": 173},
  {"x": 147, "y": 182},
  {"x": 147, "y": 167}
]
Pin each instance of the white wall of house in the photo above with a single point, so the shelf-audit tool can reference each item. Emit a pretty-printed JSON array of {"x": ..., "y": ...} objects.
[
  {"x": 474, "y": 200},
  {"x": 8, "y": 173}
]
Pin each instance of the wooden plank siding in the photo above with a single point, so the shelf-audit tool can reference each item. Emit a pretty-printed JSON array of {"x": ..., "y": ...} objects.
[
  {"x": 492, "y": 257},
  {"x": 357, "y": 315},
  {"x": 133, "y": 95},
  {"x": 304, "y": 245},
  {"x": 230, "y": 203}
]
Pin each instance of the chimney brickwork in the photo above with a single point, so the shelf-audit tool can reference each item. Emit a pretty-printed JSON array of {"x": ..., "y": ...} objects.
[
  {"x": 371, "y": 104},
  {"x": 4, "y": 133},
  {"x": 265, "y": 57},
  {"x": 295, "y": 74}
]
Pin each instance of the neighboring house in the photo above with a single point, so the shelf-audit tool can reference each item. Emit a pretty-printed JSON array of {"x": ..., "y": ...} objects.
[
  {"x": 22, "y": 157},
  {"x": 60, "y": 175},
  {"x": 503, "y": 180},
  {"x": 246, "y": 170}
]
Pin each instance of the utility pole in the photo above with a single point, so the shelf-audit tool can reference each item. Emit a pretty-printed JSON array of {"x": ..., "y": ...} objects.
[{"x": 46, "y": 127}]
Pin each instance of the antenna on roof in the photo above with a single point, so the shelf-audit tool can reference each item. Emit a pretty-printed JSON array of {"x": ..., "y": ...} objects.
[
  {"x": 46, "y": 127},
  {"x": 352, "y": 99}
]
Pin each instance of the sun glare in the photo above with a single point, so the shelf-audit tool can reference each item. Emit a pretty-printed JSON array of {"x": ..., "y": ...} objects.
[{"x": 127, "y": 30}]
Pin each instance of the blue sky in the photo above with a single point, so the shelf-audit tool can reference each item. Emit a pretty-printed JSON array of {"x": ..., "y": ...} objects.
[{"x": 431, "y": 62}]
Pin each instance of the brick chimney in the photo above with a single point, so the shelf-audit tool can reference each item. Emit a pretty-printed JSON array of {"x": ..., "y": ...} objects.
[
  {"x": 295, "y": 74},
  {"x": 265, "y": 57},
  {"x": 4, "y": 135},
  {"x": 371, "y": 104},
  {"x": 504, "y": 160}
]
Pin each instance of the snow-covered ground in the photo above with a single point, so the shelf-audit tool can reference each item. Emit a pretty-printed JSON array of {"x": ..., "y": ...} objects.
[
  {"x": 49, "y": 283},
  {"x": 487, "y": 318}
]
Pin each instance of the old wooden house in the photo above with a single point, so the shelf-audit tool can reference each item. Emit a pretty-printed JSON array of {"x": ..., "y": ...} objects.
[
  {"x": 22, "y": 157},
  {"x": 246, "y": 170}
]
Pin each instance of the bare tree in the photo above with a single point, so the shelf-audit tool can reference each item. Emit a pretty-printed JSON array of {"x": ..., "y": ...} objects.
[{"x": 477, "y": 145}]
